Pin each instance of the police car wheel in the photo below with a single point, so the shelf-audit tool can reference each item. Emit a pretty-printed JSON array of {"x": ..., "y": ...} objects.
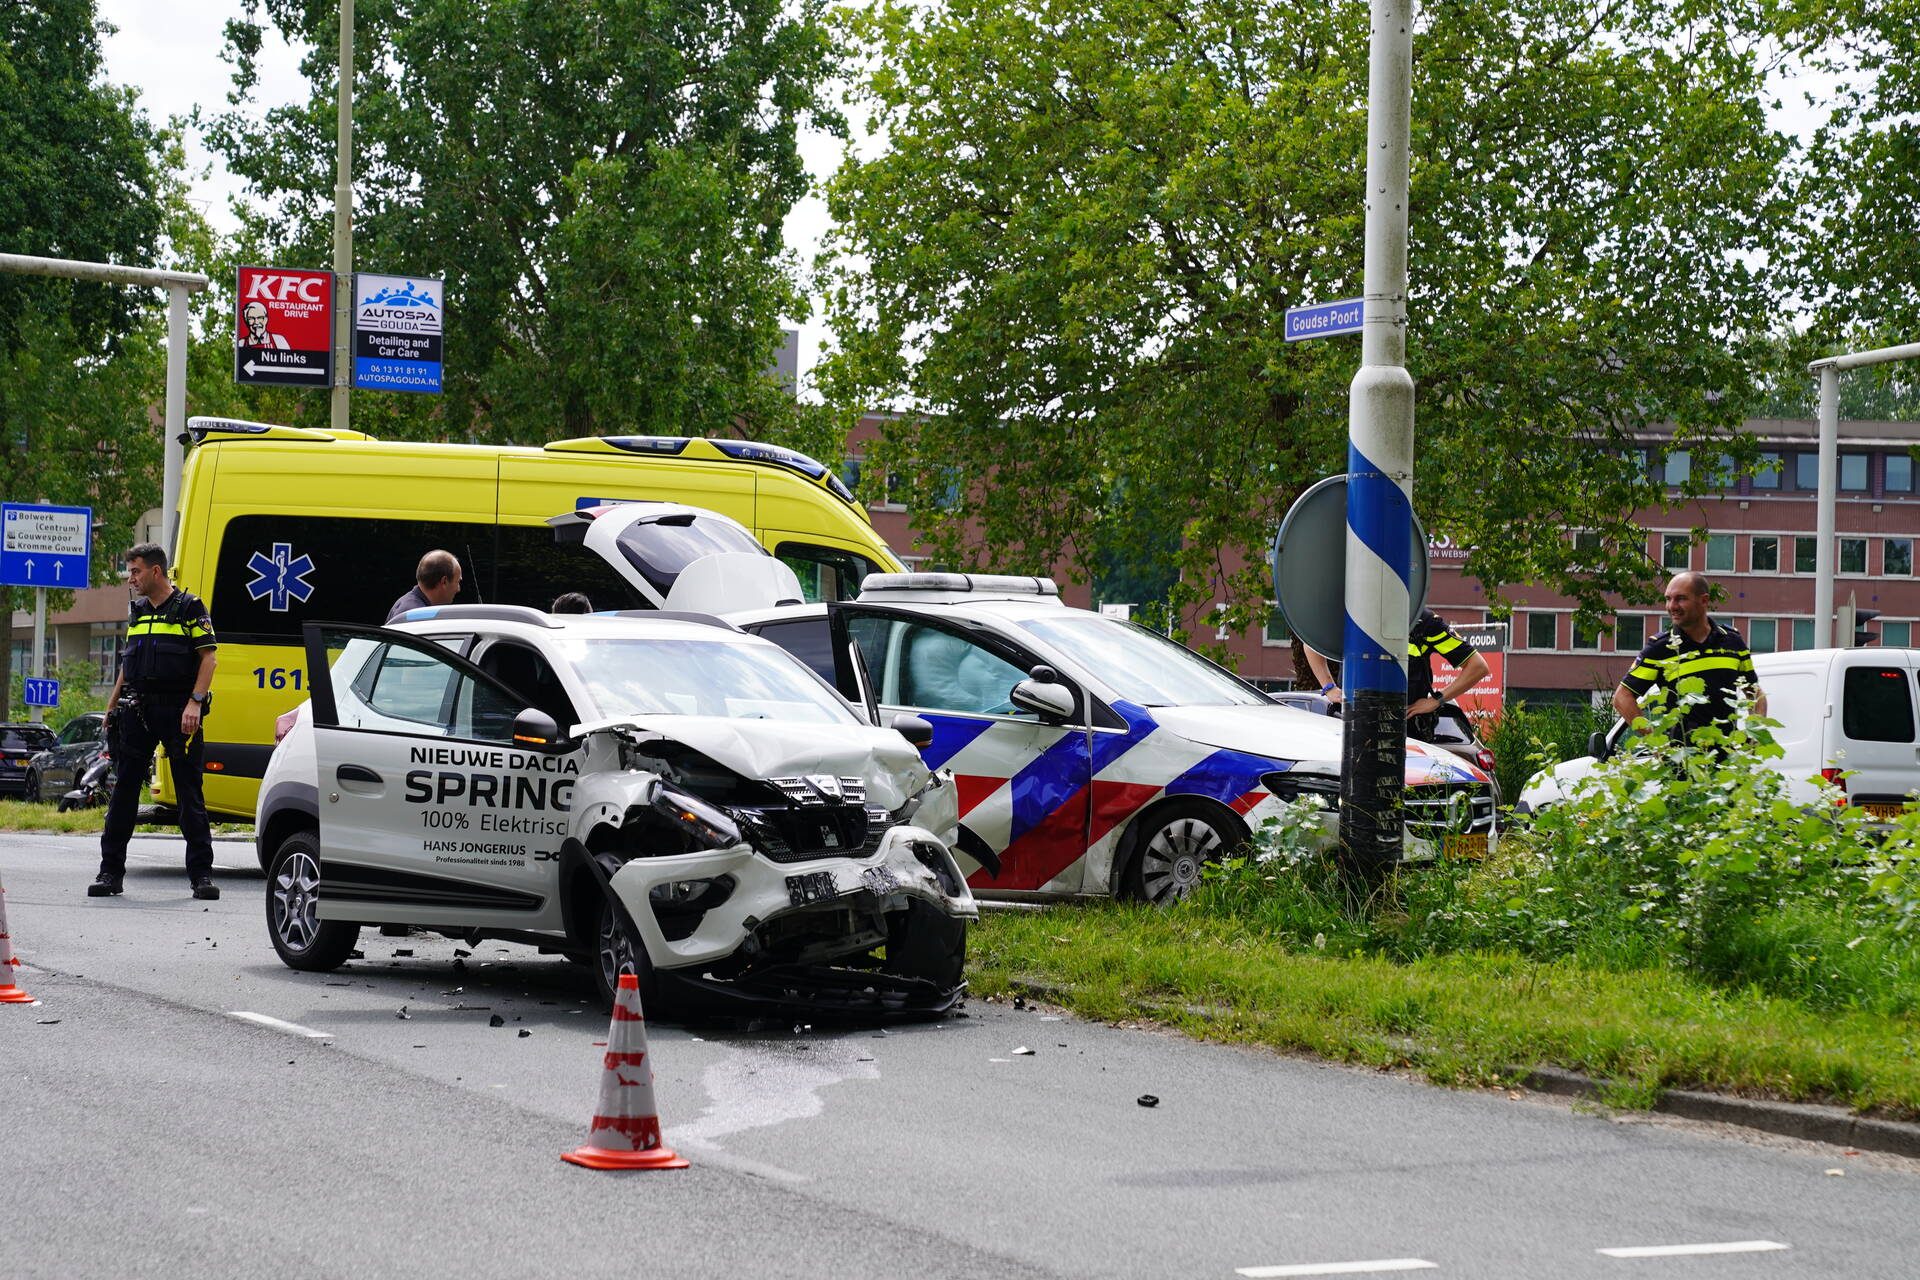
[
  {"x": 617, "y": 952},
  {"x": 301, "y": 938},
  {"x": 1172, "y": 845}
]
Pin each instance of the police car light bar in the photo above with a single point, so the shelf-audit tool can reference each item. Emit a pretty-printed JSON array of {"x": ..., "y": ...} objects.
[{"x": 998, "y": 584}]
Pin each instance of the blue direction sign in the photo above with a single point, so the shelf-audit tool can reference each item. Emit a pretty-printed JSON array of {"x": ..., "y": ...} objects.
[
  {"x": 1325, "y": 319},
  {"x": 44, "y": 546},
  {"x": 42, "y": 693}
]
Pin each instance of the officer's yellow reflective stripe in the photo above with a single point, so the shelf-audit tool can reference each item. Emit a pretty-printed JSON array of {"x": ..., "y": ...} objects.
[
  {"x": 150, "y": 627},
  {"x": 1645, "y": 672},
  {"x": 1680, "y": 669}
]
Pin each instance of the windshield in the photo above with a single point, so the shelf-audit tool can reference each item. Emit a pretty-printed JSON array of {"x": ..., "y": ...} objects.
[
  {"x": 1140, "y": 666},
  {"x": 718, "y": 677}
]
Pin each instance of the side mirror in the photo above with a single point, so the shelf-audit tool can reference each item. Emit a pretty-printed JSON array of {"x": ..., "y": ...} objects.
[
  {"x": 535, "y": 728},
  {"x": 917, "y": 730},
  {"x": 1597, "y": 745},
  {"x": 1045, "y": 697}
]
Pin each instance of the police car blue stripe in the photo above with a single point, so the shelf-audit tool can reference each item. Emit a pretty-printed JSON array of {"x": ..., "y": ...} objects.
[
  {"x": 1063, "y": 768},
  {"x": 1224, "y": 776},
  {"x": 951, "y": 734}
]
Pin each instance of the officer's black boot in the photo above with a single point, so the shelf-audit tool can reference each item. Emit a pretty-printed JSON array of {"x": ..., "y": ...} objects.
[
  {"x": 204, "y": 887},
  {"x": 104, "y": 885}
]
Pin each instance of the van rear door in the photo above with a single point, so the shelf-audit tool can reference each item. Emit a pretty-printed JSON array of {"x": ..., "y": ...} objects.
[{"x": 1876, "y": 727}]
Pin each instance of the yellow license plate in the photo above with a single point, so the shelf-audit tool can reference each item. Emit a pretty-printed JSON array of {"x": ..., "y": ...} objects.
[
  {"x": 1884, "y": 812},
  {"x": 1464, "y": 848}
]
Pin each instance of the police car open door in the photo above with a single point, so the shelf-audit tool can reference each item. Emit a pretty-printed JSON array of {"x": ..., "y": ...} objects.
[
  {"x": 1023, "y": 782},
  {"x": 430, "y": 814}
]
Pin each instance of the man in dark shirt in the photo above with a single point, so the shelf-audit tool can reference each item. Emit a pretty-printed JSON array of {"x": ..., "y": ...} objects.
[
  {"x": 158, "y": 700},
  {"x": 1694, "y": 647},
  {"x": 435, "y": 581}
]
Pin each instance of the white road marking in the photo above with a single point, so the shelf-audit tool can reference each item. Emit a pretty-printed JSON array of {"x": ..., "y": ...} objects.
[
  {"x": 291, "y": 1028},
  {"x": 1337, "y": 1268},
  {"x": 1686, "y": 1250}
]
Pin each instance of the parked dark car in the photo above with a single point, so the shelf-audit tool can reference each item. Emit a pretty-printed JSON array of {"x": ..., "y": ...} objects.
[
  {"x": 18, "y": 745},
  {"x": 57, "y": 769}
]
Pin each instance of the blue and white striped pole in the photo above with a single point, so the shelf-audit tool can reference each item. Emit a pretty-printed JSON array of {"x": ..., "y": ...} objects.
[{"x": 1380, "y": 472}]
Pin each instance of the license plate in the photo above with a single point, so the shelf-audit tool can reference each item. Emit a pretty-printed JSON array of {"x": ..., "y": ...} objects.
[
  {"x": 1884, "y": 812},
  {"x": 1464, "y": 848},
  {"x": 811, "y": 886}
]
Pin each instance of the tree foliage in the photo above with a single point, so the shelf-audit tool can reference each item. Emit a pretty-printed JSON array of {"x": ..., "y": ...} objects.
[
  {"x": 601, "y": 182},
  {"x": 1074, "y": 255},
  {"x": 82, "y": 176}
]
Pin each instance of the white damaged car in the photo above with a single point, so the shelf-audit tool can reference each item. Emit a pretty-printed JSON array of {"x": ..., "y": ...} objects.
[{"x": 660, "y": 794}]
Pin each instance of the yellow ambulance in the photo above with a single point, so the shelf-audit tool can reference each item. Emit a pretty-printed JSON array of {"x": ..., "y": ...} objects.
[{"x": 279, "y": 525}]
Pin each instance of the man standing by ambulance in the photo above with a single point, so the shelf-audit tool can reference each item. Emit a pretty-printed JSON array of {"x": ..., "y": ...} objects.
[{"x": 159, "y": 700}]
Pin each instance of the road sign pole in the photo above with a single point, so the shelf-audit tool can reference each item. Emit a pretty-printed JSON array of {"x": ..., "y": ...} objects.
[
  {"x": 343, "y": 231},
  {"x": 1380, "y": 473},
  {"x": 39, "y": 646}
]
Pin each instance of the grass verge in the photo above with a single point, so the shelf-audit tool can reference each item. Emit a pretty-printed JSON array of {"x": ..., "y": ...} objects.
[
  {"x": 19, "y": 816},
  {"x": 1467, "y": 1018}
]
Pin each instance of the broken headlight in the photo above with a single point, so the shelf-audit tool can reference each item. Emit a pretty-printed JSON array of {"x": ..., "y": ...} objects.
[{"x": 704, "y": 825}]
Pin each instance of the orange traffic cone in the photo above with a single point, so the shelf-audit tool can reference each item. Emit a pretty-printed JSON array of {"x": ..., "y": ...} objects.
[
  {"x": 625, "y": 1133},
  {"x": 10, "y": 992}
]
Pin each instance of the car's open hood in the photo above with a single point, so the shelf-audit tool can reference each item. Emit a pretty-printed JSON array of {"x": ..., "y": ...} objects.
[
  {"x": 1287, "y": 733},
  {"x": 892, "y": 769}
]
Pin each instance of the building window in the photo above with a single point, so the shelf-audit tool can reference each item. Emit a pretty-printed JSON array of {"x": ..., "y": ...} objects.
[
  {"x": 1896, "y": 635},
  {"x": 1803, "y": 633},
  {"x": 1586, "y": 636},
  {"x": 103, "y": 649},
  {"x": 1276, "y": 634},
  {"x": 1806, "y": 471},
  {"x": 1853, "y": 555},
  {"x": 1766, "y": 554},
  {"x": 1586, "y": 548},
  {"x": 1719, "y": 553},
  {"x": 1542, "y": 630},
  {"x": 1679, "y": 467},
  {"x": 1763, "y": 635},
  {"x": 1853, "y": 472},
  {"x": 1899, "y": 473},
  {"x": 1806, "y": 553},
  {"x": 1675, "y": 551},
  {"x": 1768, "y": 476},
  {"x": 1630, "y": 632},
  {"x": 1898, "y": 558}
]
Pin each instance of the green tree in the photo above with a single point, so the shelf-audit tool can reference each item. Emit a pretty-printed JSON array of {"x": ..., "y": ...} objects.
[
  {"x": 81, "y": 176},
  {"x": 1073, "y": 257},
  {"x": 602, "y": 183}
]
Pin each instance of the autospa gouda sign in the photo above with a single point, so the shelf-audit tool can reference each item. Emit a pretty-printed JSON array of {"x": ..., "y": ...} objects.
[
  {"x": 283, "y": 332},
  {"x": 397, "y": 332}
]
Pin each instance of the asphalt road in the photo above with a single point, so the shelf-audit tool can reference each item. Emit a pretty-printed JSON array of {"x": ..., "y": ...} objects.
[{"x": 151, "y": 1131}]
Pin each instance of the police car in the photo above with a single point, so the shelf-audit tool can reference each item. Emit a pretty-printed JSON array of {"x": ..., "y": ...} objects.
[
  {"x": 1092, "y": 756},
  {"x": 660, "y": 794}
]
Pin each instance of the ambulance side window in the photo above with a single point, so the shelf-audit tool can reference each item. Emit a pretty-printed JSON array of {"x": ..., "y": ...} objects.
[{"x": 825, "y": 573}]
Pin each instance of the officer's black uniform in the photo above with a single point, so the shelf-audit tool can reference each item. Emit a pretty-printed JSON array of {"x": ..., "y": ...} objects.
[
  {"x": 158, "y": 667},
  {"x": 1720, "y": 661}
]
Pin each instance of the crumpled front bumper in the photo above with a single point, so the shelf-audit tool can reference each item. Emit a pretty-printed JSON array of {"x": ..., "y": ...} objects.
[{"x": 764, "y": 890}]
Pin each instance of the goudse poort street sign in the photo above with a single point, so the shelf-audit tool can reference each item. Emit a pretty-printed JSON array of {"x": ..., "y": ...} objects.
[{"x": 283, "y": 328}]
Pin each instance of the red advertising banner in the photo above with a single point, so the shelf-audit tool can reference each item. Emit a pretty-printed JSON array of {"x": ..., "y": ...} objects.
[
  {"x": 1489, "y": 696},
  {"x": 283, "y": 327}
]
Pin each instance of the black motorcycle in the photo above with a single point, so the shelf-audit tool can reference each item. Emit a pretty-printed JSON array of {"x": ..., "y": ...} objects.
[{"x": 94, "y": 787}]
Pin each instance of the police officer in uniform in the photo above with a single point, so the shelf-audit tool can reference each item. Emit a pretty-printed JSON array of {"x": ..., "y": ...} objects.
[
  {"x": 1428, "y": 636},
  {"x": 1694, "y": 647},
  {"x": 159, "y": 700}
]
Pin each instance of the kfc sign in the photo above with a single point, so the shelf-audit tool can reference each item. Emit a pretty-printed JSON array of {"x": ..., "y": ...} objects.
[{"x": 283, "y": 328}]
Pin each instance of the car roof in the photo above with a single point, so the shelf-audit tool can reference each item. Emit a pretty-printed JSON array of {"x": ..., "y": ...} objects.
[{"x": 632, "y": 625}]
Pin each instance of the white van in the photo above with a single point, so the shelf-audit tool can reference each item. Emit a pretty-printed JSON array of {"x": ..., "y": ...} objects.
[{"x": 1841, "y": 711}]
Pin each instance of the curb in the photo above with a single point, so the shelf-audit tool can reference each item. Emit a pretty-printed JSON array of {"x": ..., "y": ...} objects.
[{"x": 1810, "y": 1121}]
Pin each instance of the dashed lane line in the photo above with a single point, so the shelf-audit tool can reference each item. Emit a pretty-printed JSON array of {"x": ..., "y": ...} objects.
[
  {"x": 1337, "y": 1268},
  {"x": 275, "y": 1024},
  {"x": 1689, "y": 1250}
]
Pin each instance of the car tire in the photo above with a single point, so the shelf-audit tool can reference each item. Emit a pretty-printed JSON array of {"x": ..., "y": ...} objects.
[
  {"x": 616, "y": 951},
  {"x": 32, "y": 795},
  {"x": 925, "y": 942},
  {"x": 302, "y": 940},
  {"x": 1170, "y": 846}
]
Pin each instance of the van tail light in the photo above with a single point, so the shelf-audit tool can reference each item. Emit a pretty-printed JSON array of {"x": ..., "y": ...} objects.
[
  {"x": 1836, "y": 778},
  {"x": 1484, "y": 758}
]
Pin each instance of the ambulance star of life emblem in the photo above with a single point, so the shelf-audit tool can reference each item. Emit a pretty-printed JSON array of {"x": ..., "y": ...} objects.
[{"x": 282, "y": 577}]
